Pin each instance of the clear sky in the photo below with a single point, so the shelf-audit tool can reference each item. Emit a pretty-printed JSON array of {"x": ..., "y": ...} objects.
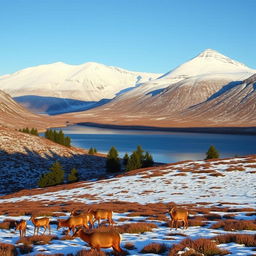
[{"x": 139, "y": 35}]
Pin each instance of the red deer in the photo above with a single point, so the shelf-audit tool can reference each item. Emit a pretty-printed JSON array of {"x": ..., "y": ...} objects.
[
  {"x": 72, "y": 222},
  {"x": 97, "y": 240},
  {"x": 102, "y": 214},
  {"x": 88, "y": 215},
  {"x": 42, "y": 222},
  {"x": 178, "y": 214},
  {"x": 21, "y": 226}
]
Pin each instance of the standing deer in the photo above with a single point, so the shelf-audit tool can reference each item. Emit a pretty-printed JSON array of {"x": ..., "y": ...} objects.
[
  {"x": 21, "y": 226},
  {"x": 97, "y": 240},
  {"x": 73, "y": 222},
  {"x": 42, "y": 222},
  {"x": 178, "y": 214},
  {"x": 87, "y": 215},
  {"x": 102, "y": 214}
]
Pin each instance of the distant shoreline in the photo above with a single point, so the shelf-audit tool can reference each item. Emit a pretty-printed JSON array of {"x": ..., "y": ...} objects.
[{"x": 216, "y": 130}]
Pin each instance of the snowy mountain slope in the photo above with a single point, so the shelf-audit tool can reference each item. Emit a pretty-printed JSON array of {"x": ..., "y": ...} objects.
[
  {"x": 24, "y": 157},
  {"x": 87, "y": 82},
  {"x": 170, "y": 95},
  {"x": 212, "y": 191},
  {"x": 14, "y": 115}
]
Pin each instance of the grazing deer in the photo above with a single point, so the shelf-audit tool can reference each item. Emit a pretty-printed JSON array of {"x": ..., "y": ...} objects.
[
  {"x": 72, "y": 222},
  {"x": 87, "y": 215},
  {"x": 102, "y": 214},
  {"x": 21, "y": 226},
  {"x": 42, "y": 222},
  {"x": 97, "y": 240},
  {"x": 178, "y": 214}
]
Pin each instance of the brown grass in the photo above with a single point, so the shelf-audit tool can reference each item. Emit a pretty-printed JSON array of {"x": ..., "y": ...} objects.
[
  {"x": 90, "y": 253},
  {"x": 36, "y": 240},
  {"x": 154, "y": 248},
  {"x": 129, "y": 246},
  {"x": 139, "y": 227},
  {"x": 235, "y": 168},
  {"x": 25, "y": 249},
  {"x": 231, "y": 225},
  {"x": 247, "y": 240},
  {"x": 201, "y": 245},
  {"x": 7, "y": 250}
]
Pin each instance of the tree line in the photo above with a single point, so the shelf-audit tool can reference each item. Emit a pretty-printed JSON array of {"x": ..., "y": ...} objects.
[
  {"x": 32, "y": 131},
  {"x": 58, "y": 137}
]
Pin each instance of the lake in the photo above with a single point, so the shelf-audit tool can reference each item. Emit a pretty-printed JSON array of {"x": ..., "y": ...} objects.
[{"x": 165, "y": 147}]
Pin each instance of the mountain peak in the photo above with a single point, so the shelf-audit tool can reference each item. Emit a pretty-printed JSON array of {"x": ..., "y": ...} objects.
[{"x": 209, "y": 53}]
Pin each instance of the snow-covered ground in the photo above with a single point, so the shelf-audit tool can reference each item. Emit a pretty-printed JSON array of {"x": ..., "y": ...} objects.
[{"x": 229, "y": 182}]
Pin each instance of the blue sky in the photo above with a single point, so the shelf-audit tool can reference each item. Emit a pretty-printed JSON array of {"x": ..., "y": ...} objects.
[{"x": 140, "y": 35}]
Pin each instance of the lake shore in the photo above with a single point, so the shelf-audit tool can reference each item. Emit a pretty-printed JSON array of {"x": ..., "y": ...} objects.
[{"x": 215, "y": 130}]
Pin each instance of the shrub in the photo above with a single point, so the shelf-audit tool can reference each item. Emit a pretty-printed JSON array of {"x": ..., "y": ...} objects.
[
  {"x": 36, "y": 240},
  {"x": 139, "y": 227},
  {"x": 129, "y": 246},
  {"x": 246, "y": 239},
  {"x": 154, "y": 248},
  {"x": 212, "y": 153},
  {"x": 90, "y": 253},
  {"x": 55, "y": 177},
  {"x": 201, "y": 245},
  {"x": 113, "y": 162},
  {"x": 7, "y": 250},
  {"x": 230, "y": 225},
  {"x": 25, "y": 249}
]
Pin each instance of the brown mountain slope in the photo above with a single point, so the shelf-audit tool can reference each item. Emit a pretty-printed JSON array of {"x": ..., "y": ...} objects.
[{"x": 15, "y": 116}]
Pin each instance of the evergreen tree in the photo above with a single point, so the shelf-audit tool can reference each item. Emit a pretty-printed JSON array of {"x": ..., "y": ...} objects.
[
  {"x": 148, "y": 160},
  {"x": 125, "y": 159},
  {"x": 54, "y": 177},
  {"x": 140, "y": 152},
  {"x": 91, "y": 151},
  {"x": 212, "y": 153},
  {"x": 134, "y": 161},
  {"x": 113, "y": 162},
  {"x": 73, "y": 176}
]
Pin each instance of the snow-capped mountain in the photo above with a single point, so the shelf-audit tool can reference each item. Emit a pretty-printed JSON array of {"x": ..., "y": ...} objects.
[
  {"x": 86, "y": 83},
  {"x": 167, "y": 97}
]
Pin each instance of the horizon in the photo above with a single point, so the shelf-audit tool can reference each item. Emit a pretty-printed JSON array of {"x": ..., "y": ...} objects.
[{"x": 142, "y": 36}]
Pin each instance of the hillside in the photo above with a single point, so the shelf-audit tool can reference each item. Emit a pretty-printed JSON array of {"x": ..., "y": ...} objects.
[
  {"x": 167, "y": 100},
  {"x": 219, "y": 195},
  {"x": 60, "y": 87},
  {"x": 24, "y": 157},
  {"x": 14, "y": 115}
]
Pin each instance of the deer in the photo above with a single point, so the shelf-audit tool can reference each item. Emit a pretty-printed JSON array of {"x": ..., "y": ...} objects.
[
  {"x": 178, "y": 214},
  {"x": 97, "y": 240},
  {"x": 21, "y": 226},
  {"x": 102, "y": 214},
  {"x": 72, "y": 222},
  {"x": 42, "y": 222},
  {"x": 88, "y": 215}
]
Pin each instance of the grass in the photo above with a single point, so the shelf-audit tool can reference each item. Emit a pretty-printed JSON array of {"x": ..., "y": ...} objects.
[
  {"x": 201, "y": 245},
  {"x": 155, "y": 248},
  {"x": 36, "y": 240},
  {"x": 231, "y": 225},
  {"x": 245, "y": 239}
]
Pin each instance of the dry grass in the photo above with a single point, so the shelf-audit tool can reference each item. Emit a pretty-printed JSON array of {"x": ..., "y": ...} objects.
[
  {"x": 7, "y": 250},
  {"x": 139, "y": 227},
  {"x": 155, "y": 248},
  {"x": 90, "y": 253},
  {"x": 129, "y": 246},
  {"x": 231, "y": 225},
  {"x": 201, "y": 245},
  {"x": 247, "y": 240},
  {"x": 235, "y": 168},
  {"x": 36, "y": 240},
  {"x": 25, "y": 249}
]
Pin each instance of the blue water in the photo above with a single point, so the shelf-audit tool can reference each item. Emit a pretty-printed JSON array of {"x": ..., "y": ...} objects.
[{"x": 165, "y": 147}]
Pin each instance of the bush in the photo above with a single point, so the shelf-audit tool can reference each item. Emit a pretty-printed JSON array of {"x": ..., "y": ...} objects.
[
  {"x": 55, "y": 177},
  {"x": 36, "y": 240},
  {"x": 136, "y": 228},
  {"x": 155, "y": 248},
  {"x": 231, "y": 225},
  {"x": 7, "y": 250},
  {"x": 246, "y": 239},
  {"x": 212, "y": 153},
  {"x": 113, "y": 162},
  {"x": 201, "y": 245}
]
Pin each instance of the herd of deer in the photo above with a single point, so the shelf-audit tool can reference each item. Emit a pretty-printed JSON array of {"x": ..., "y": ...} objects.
[{"x": 95, "y": 239}]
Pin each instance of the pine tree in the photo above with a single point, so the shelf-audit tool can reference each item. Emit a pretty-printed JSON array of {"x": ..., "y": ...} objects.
[
  {"x": 140, "y": 152},
  {"x": 148, "y": 160},
  {"x": 125, "y": 159},
  {"x": 134, "y": 161},
  {"x": 113, "y": 162},
  {"x": 212, "y": 153},
  {"x": 73, "y": 176},
  {"x": 91, "y": 151}
]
